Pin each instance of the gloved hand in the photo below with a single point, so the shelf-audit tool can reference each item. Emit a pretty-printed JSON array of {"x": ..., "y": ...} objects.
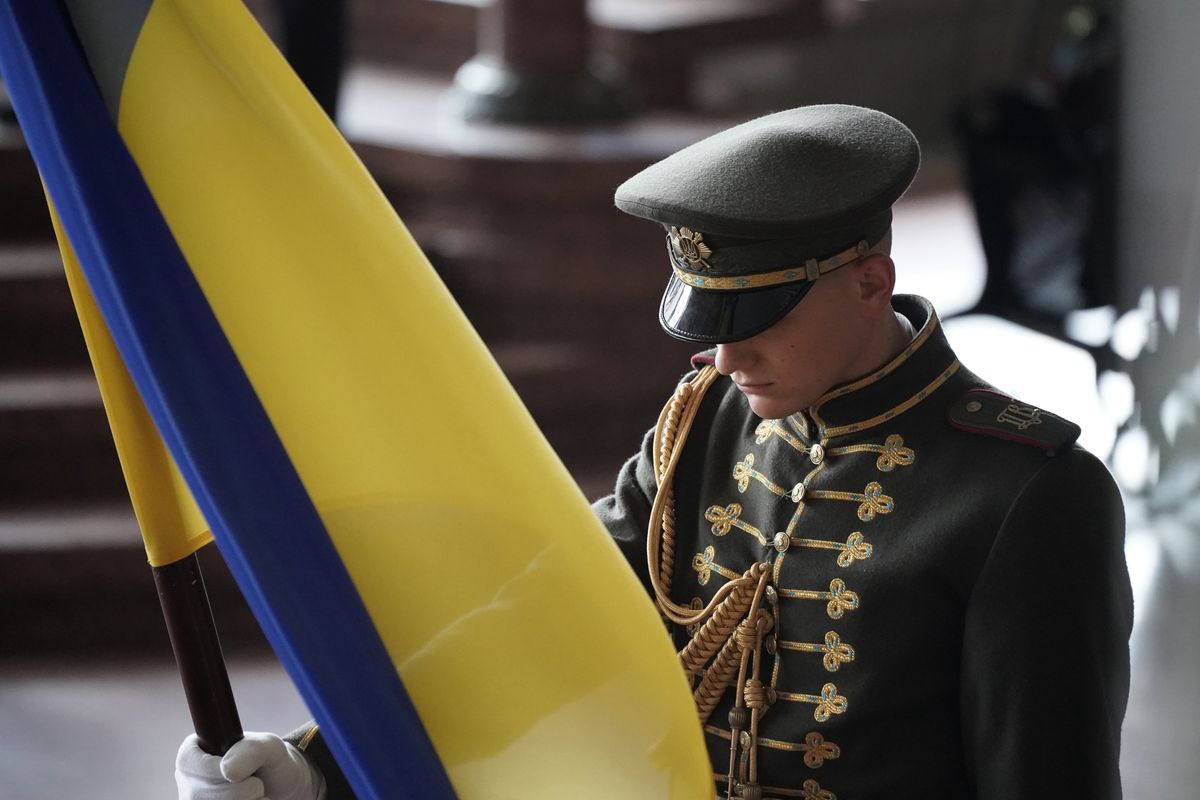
[{"x": 259, "y": 767}]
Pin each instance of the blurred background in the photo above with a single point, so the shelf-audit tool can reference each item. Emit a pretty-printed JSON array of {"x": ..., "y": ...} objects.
[{"x": 1055, "y": 224}]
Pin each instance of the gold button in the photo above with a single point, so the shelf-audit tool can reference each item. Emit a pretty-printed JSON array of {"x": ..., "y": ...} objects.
[
  {"x": 974, "y": 406},
  {"x": 797, "y": 492},
  {"x": 769, "y": 643},
  {"x": 772, "y": 596},
  {"x": 816, "y": 454},
  {"x": 744, "y": 739},
  {"x": 782, "y": 542}
]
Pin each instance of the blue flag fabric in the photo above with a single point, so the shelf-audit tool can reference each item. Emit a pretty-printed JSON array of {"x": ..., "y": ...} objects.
[
  {"x": 209, "y": 415},
  {"x": 427, "y": 570}
]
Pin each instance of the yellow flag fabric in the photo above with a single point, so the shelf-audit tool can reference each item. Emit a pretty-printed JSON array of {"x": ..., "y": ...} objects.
[
  {"x": 532, "y": 655},
  {"x": 511, "y": 618},
  {"x": 171, "y": 524}
]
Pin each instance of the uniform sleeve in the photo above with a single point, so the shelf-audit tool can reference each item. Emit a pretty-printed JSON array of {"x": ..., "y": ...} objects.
[
  {"x": 1045, "y": 667},
  {"x": 626, "y": 512},
  {"x": 307, "y": 739}
]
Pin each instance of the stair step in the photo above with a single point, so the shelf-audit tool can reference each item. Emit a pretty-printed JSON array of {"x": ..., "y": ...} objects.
[
  {"x": 23, "y": 214},
  {"x": 76, "y": 580},
  {"x": 26, "y": 260},
  {"x": 45, "y": 391},
  {"x": 38, "y": 324},
  {"x": 56, "y": 441},
  {"x": 63, "y": 530}
]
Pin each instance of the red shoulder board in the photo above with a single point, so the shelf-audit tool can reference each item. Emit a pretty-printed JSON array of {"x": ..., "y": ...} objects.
[
  {"x": 704, "y": 358},
  {"x": 999, "y": 416}
]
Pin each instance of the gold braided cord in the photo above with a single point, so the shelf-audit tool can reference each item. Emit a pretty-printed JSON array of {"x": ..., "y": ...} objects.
[
  {"x": 717, "y": 629},
  {"x": 748, "y": 638},
  {"x": 664, "y": 444},
  {"x": 761, "y": 625},
  {"x": 669, "y": 435},
  {"x": 730, "y": 792},
  {"x": 666, "y": 432},
  {"x": 666, "y": 435},
  {"x": 667, "y": 571},
  {"x": 717, "y": 678},
  {"x": 732, "y": 625},
  {"x": 757, "y": 698},
  {"x": 755, "y": 693}
]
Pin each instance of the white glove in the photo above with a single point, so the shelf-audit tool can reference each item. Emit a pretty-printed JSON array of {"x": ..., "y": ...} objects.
[{"x": 259, "y": 767}]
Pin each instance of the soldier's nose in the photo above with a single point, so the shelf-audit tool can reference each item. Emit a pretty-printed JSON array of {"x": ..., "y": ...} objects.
[{"x": 733, "y": 357}]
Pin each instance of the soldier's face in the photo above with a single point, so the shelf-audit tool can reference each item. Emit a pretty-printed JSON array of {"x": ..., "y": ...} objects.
[{"x": 831, "y": 337}]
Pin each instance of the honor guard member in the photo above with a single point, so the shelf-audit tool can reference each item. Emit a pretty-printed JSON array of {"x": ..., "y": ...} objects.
[{"x": 884, "y": 577}]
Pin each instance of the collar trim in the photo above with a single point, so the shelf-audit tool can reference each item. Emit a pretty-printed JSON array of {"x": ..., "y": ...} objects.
[
  {"x": 927, "y": 363},
  {"x": 922, "y": 336},
  {"x": 829, "y": 433}
]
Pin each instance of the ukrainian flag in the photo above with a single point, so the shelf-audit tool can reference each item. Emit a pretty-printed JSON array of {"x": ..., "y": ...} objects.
[{"x": 427, "y": 571}]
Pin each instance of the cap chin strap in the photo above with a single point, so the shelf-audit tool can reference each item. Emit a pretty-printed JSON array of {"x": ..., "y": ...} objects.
[{"x": 811, "y": 270}]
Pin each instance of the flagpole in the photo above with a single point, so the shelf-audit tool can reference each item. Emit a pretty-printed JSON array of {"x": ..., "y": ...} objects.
[{"x": 198, "y": 653}]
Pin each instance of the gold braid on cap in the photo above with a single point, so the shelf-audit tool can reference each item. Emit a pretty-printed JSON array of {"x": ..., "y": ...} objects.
[
  {"x": 726, "y": 647},
  {"x": 810, "y": 271}
]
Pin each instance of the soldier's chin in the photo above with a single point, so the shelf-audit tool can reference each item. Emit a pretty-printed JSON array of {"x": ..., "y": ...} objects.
[{"x": 772, "y": 407}]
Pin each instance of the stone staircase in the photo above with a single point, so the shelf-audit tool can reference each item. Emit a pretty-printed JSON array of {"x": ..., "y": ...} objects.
[{"x": 73, "y": 574}]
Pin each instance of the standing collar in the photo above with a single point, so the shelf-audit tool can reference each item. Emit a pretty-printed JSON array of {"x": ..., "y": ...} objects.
[{"x": 895, "y": 387}]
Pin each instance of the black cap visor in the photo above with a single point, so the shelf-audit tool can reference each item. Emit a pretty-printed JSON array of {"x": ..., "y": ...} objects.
[{"x": 718, "y": 317}]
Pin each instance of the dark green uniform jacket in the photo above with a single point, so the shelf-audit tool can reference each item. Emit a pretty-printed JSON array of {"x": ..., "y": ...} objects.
[
  {"x": 950, "y": 602},
  {"x": 951, "y": 606}
]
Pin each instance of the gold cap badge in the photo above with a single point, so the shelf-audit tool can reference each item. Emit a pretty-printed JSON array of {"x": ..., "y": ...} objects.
[{"x": 689, "y": 245}]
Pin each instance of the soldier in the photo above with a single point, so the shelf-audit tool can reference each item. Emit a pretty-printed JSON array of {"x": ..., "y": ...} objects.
[{"x": 884, "y": 577}]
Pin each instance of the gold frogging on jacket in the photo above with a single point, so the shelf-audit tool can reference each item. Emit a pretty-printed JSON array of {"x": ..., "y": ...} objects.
[
  {"x": 834, "y": 651},
  {"x": 705, "y": 566},
  {"x": 725, "y": 519},
  {"x": 828, "y": 703},
  {"x": 744, "y": 472},
  {"x": 817, "y": 751},
  {"x": 840, "y": 598},
  {"x": 892, "y": 453},
  {"x": 813, "y": 791},
  {"x": 772, "y": 427},
  {"x": 856, "y": 548},
  {"x": 872, "y": 501}
]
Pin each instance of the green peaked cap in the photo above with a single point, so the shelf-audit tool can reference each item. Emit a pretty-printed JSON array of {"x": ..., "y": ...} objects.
[{"x": 756, "y": 209}]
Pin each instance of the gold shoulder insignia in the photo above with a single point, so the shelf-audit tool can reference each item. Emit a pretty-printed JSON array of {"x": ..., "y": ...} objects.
[{"x": 990, "y": 413}]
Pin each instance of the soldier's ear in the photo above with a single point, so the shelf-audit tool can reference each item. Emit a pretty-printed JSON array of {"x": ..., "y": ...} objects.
[{"x": 875, "y": 278}]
